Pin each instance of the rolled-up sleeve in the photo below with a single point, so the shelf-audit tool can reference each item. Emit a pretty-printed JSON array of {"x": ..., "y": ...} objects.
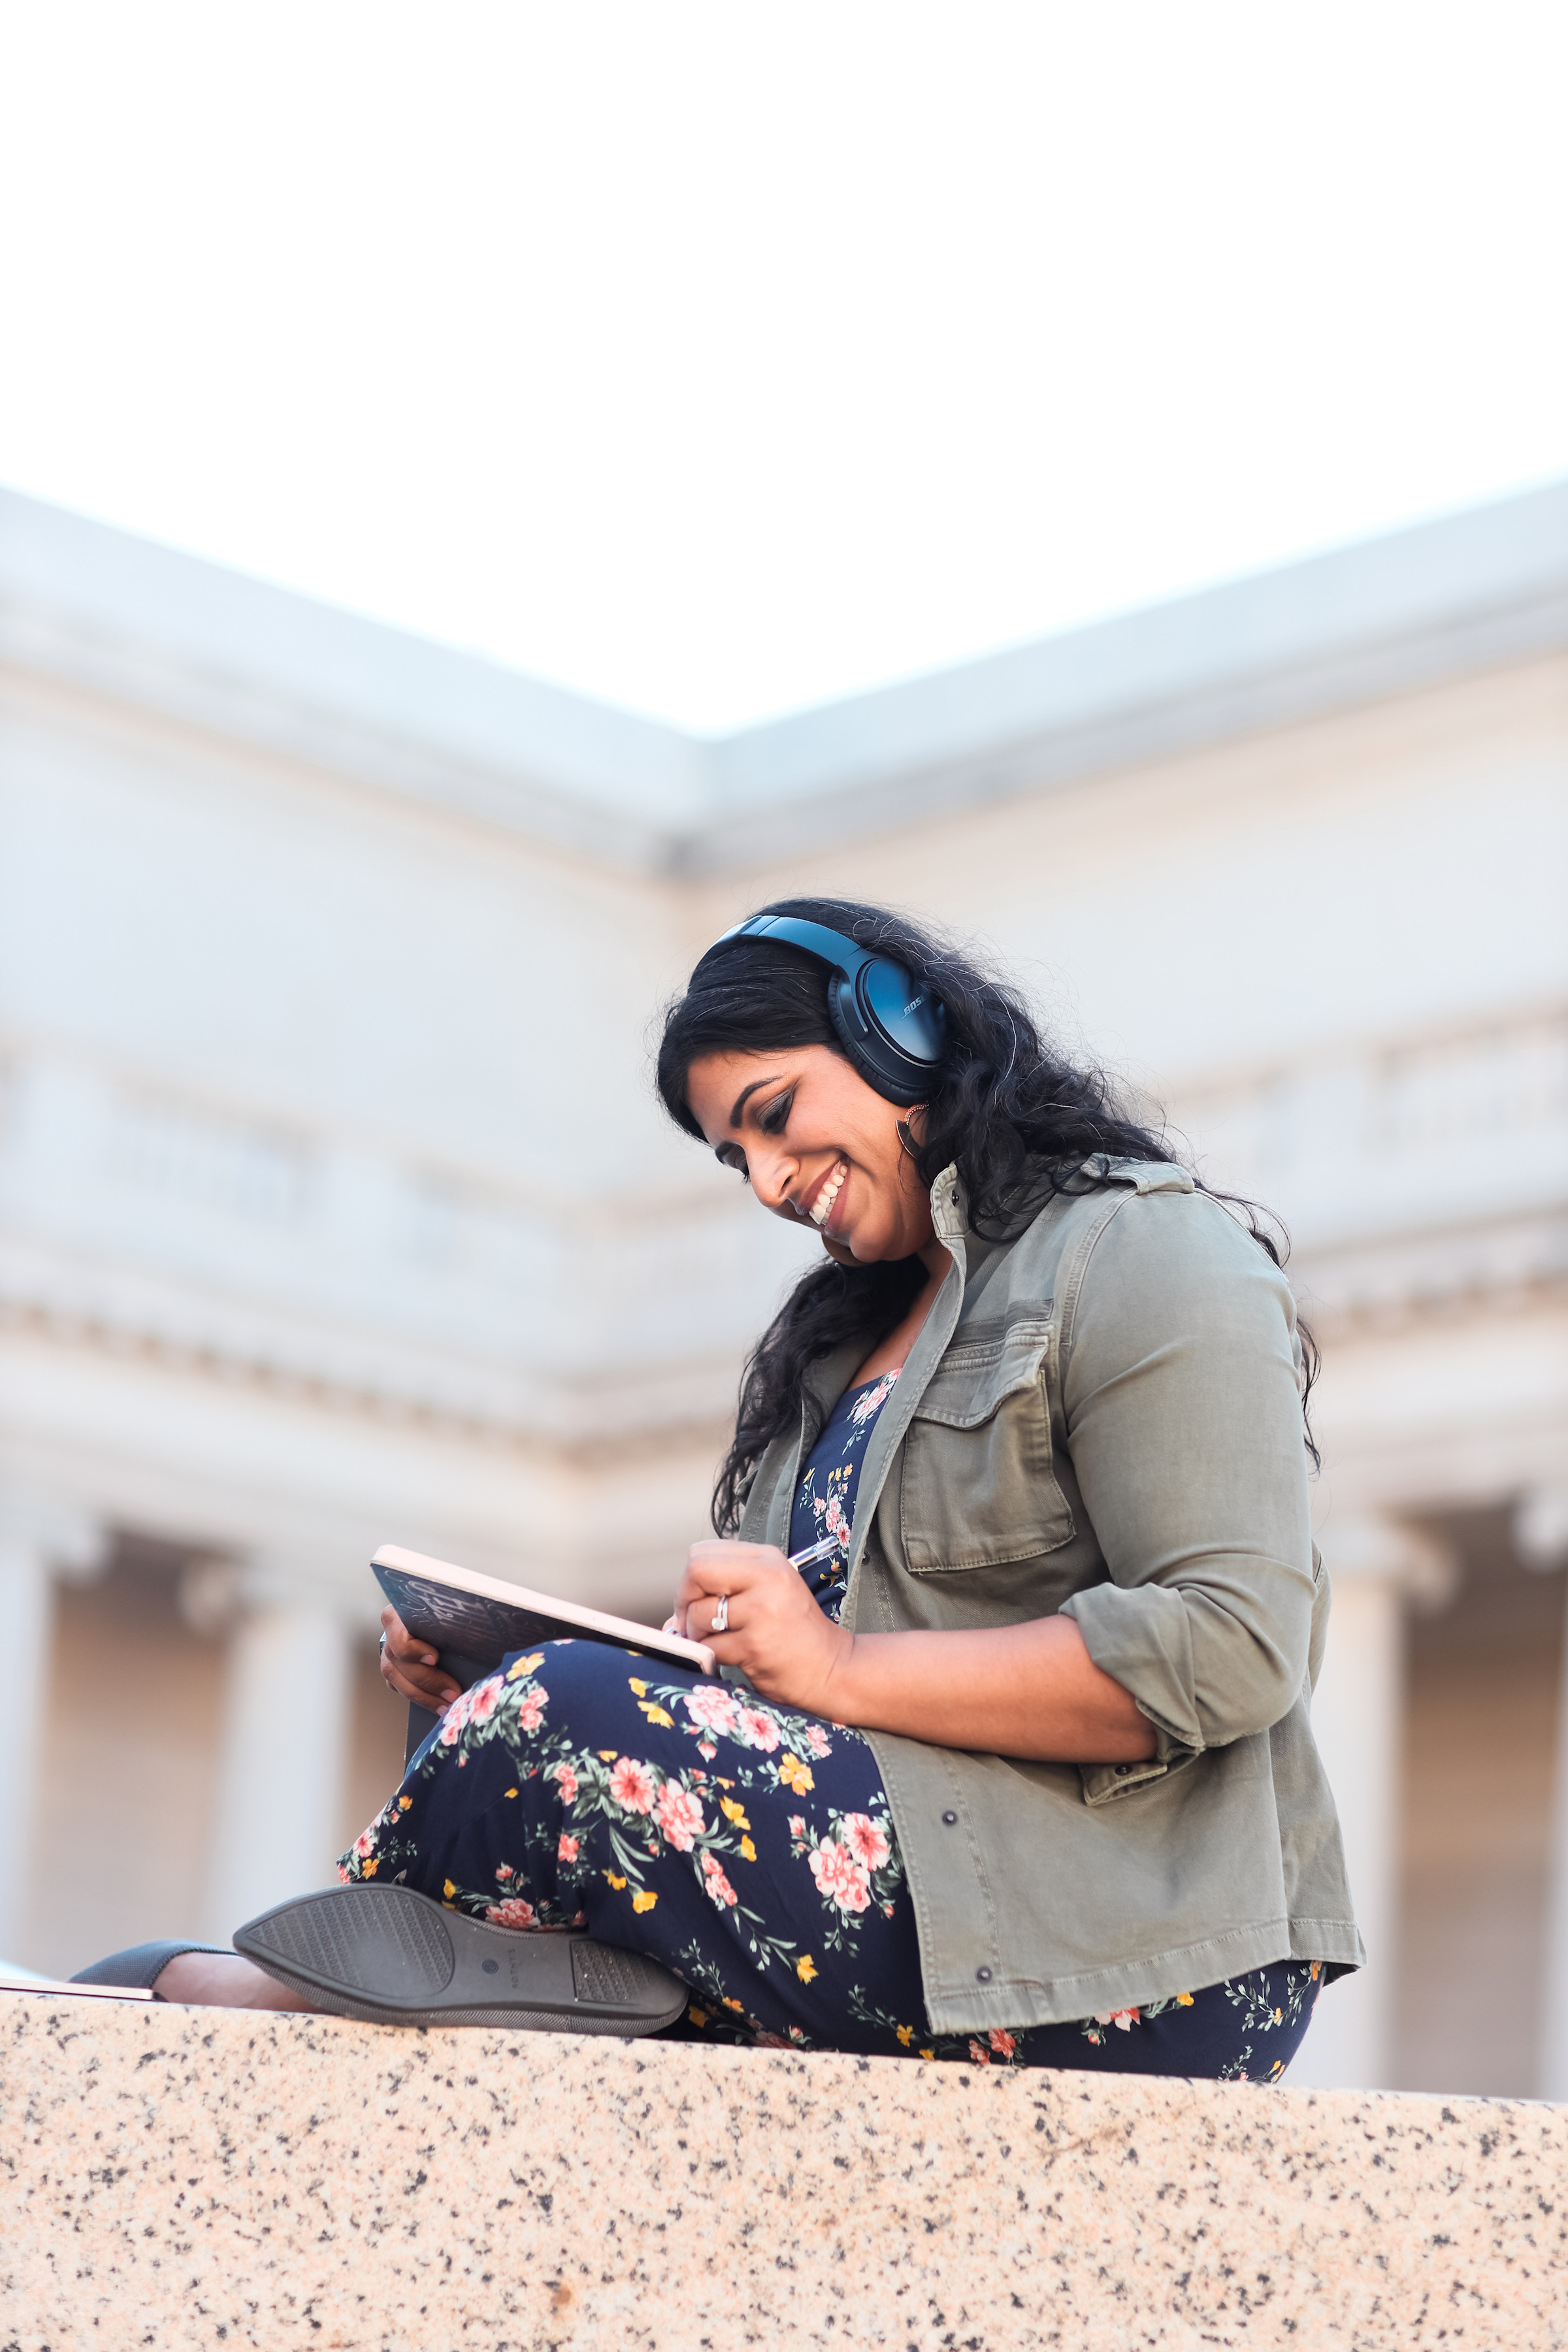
[{"x": 1181, "y": 1403}]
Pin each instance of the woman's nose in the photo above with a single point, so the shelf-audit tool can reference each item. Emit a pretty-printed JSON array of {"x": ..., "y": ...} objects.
[{"x": 771, "y": 1181}]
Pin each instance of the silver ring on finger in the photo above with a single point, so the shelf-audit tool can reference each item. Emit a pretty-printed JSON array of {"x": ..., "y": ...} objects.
[{"x": 721, "y": 1616}]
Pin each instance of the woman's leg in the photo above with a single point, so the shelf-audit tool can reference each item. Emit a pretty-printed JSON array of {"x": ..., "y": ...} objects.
[
  {"x": 745, "y": 1847},
  {"x": 751, "y": 1850}
]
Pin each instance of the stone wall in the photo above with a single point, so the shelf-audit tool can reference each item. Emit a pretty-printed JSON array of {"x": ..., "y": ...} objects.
[{"x": 189, "y": 2177}]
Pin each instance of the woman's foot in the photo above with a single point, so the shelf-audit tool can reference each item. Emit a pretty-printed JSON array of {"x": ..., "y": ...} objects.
[
  {"x": 224, "y": 1981},
  {"x": 396, "y": 1957}
]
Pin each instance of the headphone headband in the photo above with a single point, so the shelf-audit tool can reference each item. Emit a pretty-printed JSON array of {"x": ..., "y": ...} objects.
[{"x": 889, "y": 1021}]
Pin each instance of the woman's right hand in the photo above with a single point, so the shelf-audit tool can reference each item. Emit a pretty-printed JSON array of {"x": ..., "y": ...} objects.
[{"x": 409, "y": 1668}]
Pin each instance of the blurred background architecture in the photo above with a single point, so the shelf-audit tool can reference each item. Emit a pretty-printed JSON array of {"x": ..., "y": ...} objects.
[{"x": 335, "y": 1208}]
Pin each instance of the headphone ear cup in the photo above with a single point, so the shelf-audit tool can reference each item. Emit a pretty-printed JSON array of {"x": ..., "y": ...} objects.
[
  {"x": 903, "y": 1011},
  {"x": 876, "y": 1054}
]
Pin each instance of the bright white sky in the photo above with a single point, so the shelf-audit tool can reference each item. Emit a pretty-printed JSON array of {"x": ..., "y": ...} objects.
[{"x": 718, "y": 359}]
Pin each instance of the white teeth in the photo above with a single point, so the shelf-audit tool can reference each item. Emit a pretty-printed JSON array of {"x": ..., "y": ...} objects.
[{"x": 822, "y": 1207}]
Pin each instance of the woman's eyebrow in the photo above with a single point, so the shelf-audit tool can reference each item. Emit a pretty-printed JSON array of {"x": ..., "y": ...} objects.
[{"x": 741, "y": 1099}]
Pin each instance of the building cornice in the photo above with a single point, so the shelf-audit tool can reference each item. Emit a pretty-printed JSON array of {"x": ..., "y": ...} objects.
[{"x": 99, "y": 610}]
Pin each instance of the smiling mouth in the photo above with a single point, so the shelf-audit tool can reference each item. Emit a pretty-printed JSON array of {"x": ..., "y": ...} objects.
[{"x": 827, "y": 1191}]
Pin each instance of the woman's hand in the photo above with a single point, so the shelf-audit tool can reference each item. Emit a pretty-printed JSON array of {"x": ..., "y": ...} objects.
[
  {"x": 776, "y": 1635},
  {"x": 409, "y": 1668}
]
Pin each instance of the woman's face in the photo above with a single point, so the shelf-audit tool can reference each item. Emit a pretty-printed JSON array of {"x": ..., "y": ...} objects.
[{"x": 819, "y": 1146}]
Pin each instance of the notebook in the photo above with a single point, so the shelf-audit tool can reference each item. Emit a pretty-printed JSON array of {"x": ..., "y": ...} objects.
[{"x": 472, "y": 1621}]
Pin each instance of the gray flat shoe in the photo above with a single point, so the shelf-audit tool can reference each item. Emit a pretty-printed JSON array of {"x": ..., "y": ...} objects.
[
  {"x": 395, "y": 1957},
  {"x": 140, "y": 1964}
]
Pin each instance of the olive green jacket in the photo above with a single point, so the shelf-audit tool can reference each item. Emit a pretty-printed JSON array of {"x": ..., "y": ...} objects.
[{"x": 1102, "y": 1418}]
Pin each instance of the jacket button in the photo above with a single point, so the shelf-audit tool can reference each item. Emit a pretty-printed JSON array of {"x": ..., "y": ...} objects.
[
  {"x": 949, "y": 1818},
  {"x": 983, "y": 1976},
  {"x": 1122, "y": 1770}
]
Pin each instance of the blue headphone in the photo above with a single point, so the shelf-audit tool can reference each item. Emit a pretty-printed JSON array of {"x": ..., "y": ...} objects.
[{"x": 890, "y": 1024}]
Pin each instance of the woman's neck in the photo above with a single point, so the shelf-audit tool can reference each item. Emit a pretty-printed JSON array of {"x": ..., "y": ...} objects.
[{"x": 891, "y": 1354}]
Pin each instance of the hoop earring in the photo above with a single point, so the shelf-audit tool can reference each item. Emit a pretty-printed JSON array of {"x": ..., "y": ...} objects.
[{"x": 906, "y": 1140}]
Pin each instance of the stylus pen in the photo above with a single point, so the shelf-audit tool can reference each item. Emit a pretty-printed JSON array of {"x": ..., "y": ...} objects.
[{"x": 814, "y": 1552}]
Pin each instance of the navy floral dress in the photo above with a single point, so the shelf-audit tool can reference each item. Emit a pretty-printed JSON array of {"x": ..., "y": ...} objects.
[{"x": 748, "y": 1847}]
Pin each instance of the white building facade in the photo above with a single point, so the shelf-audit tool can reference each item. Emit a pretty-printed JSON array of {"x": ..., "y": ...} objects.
[{"x": 335, "y": 1207}]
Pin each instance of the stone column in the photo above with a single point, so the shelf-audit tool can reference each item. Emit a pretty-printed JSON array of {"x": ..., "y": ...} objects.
[
  {"x": 285, "y": 1747},
  {"x": 1540, "y": 1539},
  {"x": 39, "y": 1538},
  {"x": 1358, "y": 1712}
]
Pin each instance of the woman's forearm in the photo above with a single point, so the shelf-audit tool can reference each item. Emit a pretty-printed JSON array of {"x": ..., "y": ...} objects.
[{"x": 1028, "y": 1690}]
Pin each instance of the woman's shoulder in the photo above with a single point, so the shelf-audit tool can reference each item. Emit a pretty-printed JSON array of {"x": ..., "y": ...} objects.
[{"x": 1143, "y": 1223}]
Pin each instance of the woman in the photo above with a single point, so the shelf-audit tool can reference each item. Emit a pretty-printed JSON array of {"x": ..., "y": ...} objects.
[{"x": 1025, "y": 1774}]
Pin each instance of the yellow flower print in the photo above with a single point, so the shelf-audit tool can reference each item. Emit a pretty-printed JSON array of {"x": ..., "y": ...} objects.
[
  {"x": 404, "y": 1803},
  {"x": 448, "y": 1890},
  {"x": 698, "y": 2016},
  {"x": 732, "y": 2004},
  {"x": 805, "y": 1967},
  {"x": 616, "y": 1880},
  {"x": 511, "y": 1793},
  {"x": 906, "y": 2035},
  {"x": 369, "y": 1869},
  {"x": 1184, "y": 2000},
  {"x": 643, "y": 1902},
  {"x": 656, "y": 1714},
  {"x": 608, "y": 1755},
  {"x": 640, "y": 1689},
  {"x": 747, "y": 1848},
  {"x": 928, "y": 2054},
  {"x": 733, "y": 1812},
  {"x": 1316, "y": 1965},
  {"x": 1278, "y": 2015},
  {"x": 794, "y": 1774},
  {"x": 525, "y": 1667}
]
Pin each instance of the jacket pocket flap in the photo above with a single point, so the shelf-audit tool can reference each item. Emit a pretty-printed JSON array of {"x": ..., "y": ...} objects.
[{"x": 984, "y": 1367}]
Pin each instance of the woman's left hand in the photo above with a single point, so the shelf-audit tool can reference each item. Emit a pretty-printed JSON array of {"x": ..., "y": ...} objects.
[{"x": 777, "y": 1635}]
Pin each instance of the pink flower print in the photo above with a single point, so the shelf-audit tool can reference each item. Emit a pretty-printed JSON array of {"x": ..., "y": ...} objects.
[
  {"x": 866, "y": 1841},
  {"x": 710, "y": 1707},
  {"x": 567, "y": 1849},
  {"x": 531, "y": 1712},
  {"x": 834, "y": 1520},
  {"x": 755, "y": 1728},
  {"x": 981, "y": 2057},
  {"x": 631, "y": 1786},
  {"x": 719, "y": 1886},
  {"x": 796, "y": 1826},
  {"x": 1123, "y": 2018},
  {"x": 513, "y": 1913},
  {"x": 706, "y": 1748},
  {"x": 504, "y": 1870},
  {"x": 873, "y": 1400},
  {"x": 483, "y": 1699},
  {"x": 839, "y": 1877},
  {"x": 365, "y": 1842},
  {"x": 1002, "y": 2043},
  {"x": 817, "y": 1739},
  {"x": 679, "y": 1817},
  {"x": 452, "y": 1722},
  {"x": 566, "y": 1782}
]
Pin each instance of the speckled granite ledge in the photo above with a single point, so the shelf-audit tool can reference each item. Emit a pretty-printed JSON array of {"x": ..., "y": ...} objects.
[{"x": 177, "y": 2178}]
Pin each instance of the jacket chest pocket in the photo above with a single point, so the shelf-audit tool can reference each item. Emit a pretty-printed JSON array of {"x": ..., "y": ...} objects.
[{"x": 978, "y": 1484}]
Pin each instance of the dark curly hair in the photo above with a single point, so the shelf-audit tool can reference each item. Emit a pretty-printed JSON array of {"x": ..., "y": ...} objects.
[{"x": 1021, "y": 1122}]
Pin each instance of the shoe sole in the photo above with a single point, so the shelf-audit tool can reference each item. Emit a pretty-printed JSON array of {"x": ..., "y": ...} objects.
[{"x": 394, "y": 1957}]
